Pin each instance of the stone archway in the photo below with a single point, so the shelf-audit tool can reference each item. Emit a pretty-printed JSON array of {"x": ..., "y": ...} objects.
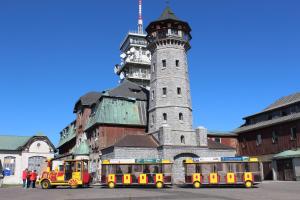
[{"x": 178, "y": 168}]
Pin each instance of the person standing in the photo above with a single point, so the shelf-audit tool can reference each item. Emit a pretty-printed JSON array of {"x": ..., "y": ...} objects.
[
  {"x": 24, "y": 177},
  {"x": 33, "y": 176},
  {"x": 28, "y": 179}
]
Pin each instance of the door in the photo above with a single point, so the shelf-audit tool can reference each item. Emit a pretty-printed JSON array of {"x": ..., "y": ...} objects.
[
  {"x": 267, "y": 170},
  {"x": 37, "y": 163},
  {"x": 285, "y": 170}
]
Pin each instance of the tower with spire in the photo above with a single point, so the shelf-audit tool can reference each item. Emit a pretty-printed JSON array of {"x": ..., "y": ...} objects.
[
  {"x": 170, "y": 99},
  {"x": 135, "y": 58}
]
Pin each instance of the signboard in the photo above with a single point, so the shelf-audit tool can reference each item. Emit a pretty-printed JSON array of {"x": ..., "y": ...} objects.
[
  {"x": 116, "y": 161},
  {"x": 237, "y": 158},
  {"x": 148, "y": 160},
  {"x": 207, "y": 159},
  {"x": 7, "y": 172}
]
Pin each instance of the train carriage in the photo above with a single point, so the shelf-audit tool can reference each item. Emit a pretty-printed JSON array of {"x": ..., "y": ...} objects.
[
  {"x": 222, "y": 171},
  {"x": 127, "y": 172},
  {"x": 73, "y": 173}
]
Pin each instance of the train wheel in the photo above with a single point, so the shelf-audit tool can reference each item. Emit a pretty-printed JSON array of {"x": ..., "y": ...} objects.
[
  {"x": 111, "y": 185},
  {"x": 248, "y": 184},
  {"x": 159, "y": 185},
  {"x": 45, "y": 184},
  {"x": 197, "y": 184}
]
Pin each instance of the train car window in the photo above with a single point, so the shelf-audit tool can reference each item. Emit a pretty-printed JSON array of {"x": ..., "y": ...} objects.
[
  {"x": 167, "y": 168},
  {"x": 78, "y": 166},
  {"x": 254, "y": 167},
  {"x": 219, "y": 167},
  {"x": 198, "y": 168},
  {"x": 137, "y": 169},
  {"x": 85, "y": 166},
  {"x": 239, "y": 167},
  {"x": 104, "y": 170},
  {"x": 190, "y": 168},
  {"x": 112, "y": 169},
  {"x": 206, "y": 168},
  {"x": 153, "y": 169},
  {"x": 227, "y": 167}
]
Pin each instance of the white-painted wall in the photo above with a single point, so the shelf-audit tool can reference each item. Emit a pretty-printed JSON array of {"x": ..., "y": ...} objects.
[{"x": 43, "y": 149}]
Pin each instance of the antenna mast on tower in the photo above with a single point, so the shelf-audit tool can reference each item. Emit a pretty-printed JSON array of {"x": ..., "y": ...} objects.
[{"x": 140, "y": 21}]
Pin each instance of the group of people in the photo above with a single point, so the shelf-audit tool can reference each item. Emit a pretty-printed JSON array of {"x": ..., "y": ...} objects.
[{"x": 29, "y": 178}]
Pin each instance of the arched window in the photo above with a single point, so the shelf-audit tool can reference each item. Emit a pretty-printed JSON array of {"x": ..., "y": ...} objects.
[
  {"x": 10, "y": 163},
  {"x": 180, "y": 116},
  {"x": 182, "y": 139},
  {"x": 165, "y": 116}
]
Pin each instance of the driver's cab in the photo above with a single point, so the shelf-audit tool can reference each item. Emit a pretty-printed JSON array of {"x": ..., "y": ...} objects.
[{"x": 73, "y": 169}]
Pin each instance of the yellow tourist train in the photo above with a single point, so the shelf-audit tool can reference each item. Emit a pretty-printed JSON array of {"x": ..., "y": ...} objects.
[
  {"x": 128, "y": 172},
  {"x": 73, "y": 173},
  {"x": 222, "y": 171}
]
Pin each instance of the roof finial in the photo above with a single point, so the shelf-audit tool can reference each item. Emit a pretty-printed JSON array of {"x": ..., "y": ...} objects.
[
  {"x": 140, "y": 21},
  {"x": 168, "y": 3}
]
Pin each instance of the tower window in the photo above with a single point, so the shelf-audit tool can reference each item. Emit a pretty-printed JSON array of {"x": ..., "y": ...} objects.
[
  {"x": 152, "y": 95},
  {"x": 180, "y": 116},
  {"x": 177, "y": 63},
  {"x": 182, "y": 139},
  {"x": 152, "y": 122},
  {"x": 164, "y": 63},
  {"x": 164, "y": 91},
  {"x": 153, "y": 68},
  {"x": 179, "y": 91},
  {"x": 165, "y": 116}
]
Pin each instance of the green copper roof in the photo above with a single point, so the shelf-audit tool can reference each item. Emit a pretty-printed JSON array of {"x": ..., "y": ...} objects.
[
  {"x": 287, "y": 154},
  {"x": 67, "y": 134},
  {"x": 10, "y": 142},
  {"x": 82, "y": 149},
  {"x": 119, "y": 111}
]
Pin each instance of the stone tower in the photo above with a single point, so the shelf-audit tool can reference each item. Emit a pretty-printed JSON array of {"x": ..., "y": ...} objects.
[{"x": 170, "y": 98}]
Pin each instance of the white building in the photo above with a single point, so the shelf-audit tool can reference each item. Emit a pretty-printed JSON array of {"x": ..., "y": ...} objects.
[{"x": 20, "y": 152}]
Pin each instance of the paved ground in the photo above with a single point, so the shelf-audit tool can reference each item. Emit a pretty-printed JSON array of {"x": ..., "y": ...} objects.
[{"x": 264, "y": 191}]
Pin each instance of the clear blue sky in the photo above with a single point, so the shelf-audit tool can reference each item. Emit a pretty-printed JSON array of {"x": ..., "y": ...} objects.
[{"x": 245, "y": 54}]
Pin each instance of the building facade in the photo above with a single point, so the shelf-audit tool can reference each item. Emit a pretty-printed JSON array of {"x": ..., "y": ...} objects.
[
  {"x": 131, "y": 121},
  {"x": 20, "y": 152},
  {"x": 273, "y": 135}
]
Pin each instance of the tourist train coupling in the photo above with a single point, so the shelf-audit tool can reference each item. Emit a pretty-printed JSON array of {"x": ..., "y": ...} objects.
[{"x": 198, "y": 172}]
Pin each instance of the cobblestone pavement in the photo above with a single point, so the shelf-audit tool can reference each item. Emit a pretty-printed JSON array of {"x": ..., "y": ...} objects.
[{"x": 264, "y": 191}]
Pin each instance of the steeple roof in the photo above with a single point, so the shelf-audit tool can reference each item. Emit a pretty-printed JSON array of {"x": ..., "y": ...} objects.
[{"x": 167, "y": 14}]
